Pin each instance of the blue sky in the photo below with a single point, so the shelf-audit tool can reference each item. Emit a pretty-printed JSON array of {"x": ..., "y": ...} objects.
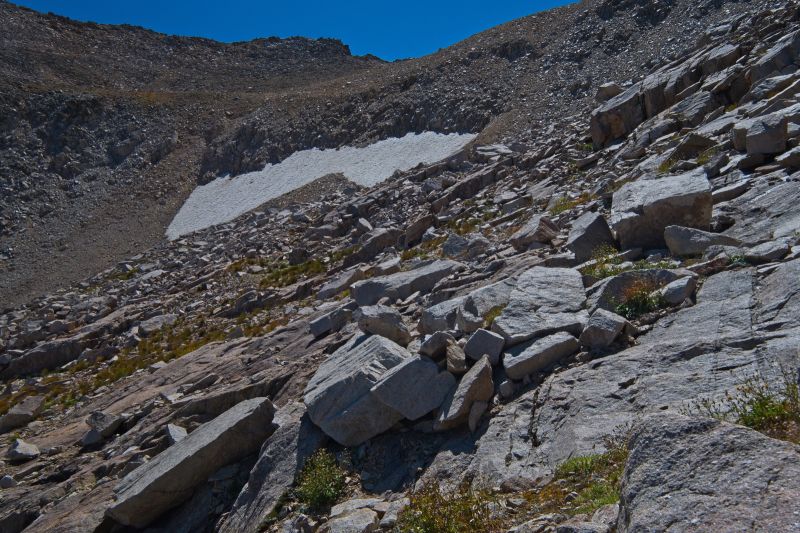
[{"x": 391, "y": 30}]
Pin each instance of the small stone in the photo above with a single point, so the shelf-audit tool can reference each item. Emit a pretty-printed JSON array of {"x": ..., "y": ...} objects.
[
  {"x": 484, "y": 342},
  {"x": 175, "y": 433},
  {"x": 7, "y": 482},
  {"x": 22, "y": 451}
]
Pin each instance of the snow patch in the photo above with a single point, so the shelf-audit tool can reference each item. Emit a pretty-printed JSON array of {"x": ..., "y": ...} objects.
[{"x": 226, "y": 198}]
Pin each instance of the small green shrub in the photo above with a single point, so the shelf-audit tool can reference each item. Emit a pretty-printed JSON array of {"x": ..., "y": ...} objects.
[
  {"x": 565, "y": 204},
  {"x": 605, "y": 263},
  {"x": 664, "y": 167},
  {"x": 705, "y": 156},
  {"x": 771, "y": 408},
  {"x": 638, "y": 300},
  {"x": 462, "y": 511},
  {"x": 492, "y": 314},
  {"x": 321, "y": 482}
]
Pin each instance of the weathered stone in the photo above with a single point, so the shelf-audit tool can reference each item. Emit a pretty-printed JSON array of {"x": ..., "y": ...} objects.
[
  {"x": 174, "y": 433},
  {"x": 781, "y": 55},
  {"x": 767, "y": 135},
  {"x": 617, "y": 117},
  {"x": 21, "y": 451},
  {"x": 484, "y": 342},
  {"x": 403, "y": 284},
  {"x": 338, "y": 397},
  {"x": 171, "y": 477},
  {"x": 384, "y": 321},
  {"x": 47, "y": 355},
  {"x": 544, "y": 301},
  {"x": 589, "y": 232},
  {"x": 414, "y": 387},
  {"x": 374, "y": 243},
  {"x": 719, "y": 477},
  {"x": 417, "y": 228},
  {"x": 340, "y": 283},
  {"x": 538, "y": 229},
  {"x": 91, "y": 438},
  {"x": 475, "y": 386},
  {"x": 105, "y": 424},
  {"x": 456, "y": 359},
  {"x": 358, "y": 521},
  {"x": 690, "y": 242},
  {"x": 7, "y": 482},
  {"x": 767, "y": 252},
  {"x": 602, "y": 329},
  {"x": 435, "y": 345},
  {"x": 157, "y": 323},
  {"x": 22, "y": 413},
  {"x": 539, "y": 355},
  {"x": 676, "y": 292},
  {"x": 281, "y": 458},
  {"x": 641, "y": 210}
]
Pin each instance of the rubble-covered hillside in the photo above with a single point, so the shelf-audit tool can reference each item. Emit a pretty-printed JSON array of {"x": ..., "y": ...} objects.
[{"x": 593, "y": 326}]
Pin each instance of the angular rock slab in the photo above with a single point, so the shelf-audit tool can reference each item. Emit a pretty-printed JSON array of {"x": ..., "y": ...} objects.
[
  {"x": 545, "y": 300},
  {"x": 339, "y": 398},
  {"x": 475, "y": 386},
  {"x": 690, "y": 474},
  {"x": 171, "y": 477},
  {"x": 688, "y": 242},
  {"x": 280, "y": 461},
  {"x": 589, "y": 232},
  {"x": 414, "y": 388},
  {"x": 641, "y": 210},
  {"x": 538, "y": 229},
  {"x": 384, "y": 321},
  {"x": 539, "y": 355},
  {"x": 402, "y": 284}
]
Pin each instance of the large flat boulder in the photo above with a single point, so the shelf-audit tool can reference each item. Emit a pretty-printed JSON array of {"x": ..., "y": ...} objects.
[
  {"x": 171, "y": 477},
  {"x": 414, "y": 388},
  {"x": 403, "y": 284},
  {"x": 281, "y": 459},
  {"x": 695, "y": 474},
  {"x": 45, "y": 356},
  {"x": 641, "y": 210},
  {"x": 339, "y": 396},
  {"x": 539, "y": 354},
  {"x": 589, "y": 232},
  {"x": 617, "y": 117},
  {"x": 544, "y": 301}
]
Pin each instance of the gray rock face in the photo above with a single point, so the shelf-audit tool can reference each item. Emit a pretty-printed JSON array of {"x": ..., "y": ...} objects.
[
  {"x": 384, "y": 321},
  {"x": 21, "y": 451},
  {"x": 718, "y": 477},
  {"x": 538, "y": 229},
  {"x": 641, "y": 210},
  {"x": 475, "y": 386},
  {"x": 617, "y": 117},
  {"x": 151, "y": 325},
  {"x": 104, "y": 423},
  {"x": 484, "y": 342},
  {"x": 47, "y": 355},
  {"x": 22, "y": 413},
  {"x": 545, "y": 300},
  {"x": 539, "y": 355},
  {"x": 767, "y": 135},
  {"x": 436, "y": 345},
  {"x": 676, "y": 292},
  {"x": 339, "y": 398},
  {"x": 689, "y": 242},
  {"x": 602, "y": 329},
  {"x": 414, "y": 388},
  {"x": 589, "y": 232},
  {"x": 170, "y": 478},
  {"x": 281, "y": 459},
  {"x": 403, "y": 284},
  {"x": 175, "y": 433},
  {"x": 468, "y": 247},
  {"x": 359, "y": 521}
]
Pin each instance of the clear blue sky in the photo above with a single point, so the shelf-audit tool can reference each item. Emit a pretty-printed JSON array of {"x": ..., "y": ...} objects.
[{"x": 391, "y": 30}]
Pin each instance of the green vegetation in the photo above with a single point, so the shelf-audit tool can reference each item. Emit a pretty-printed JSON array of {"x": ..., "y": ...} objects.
[
  {"x": 423, "y": 250},
  {"x": 284, "y": 274},
  {"x": 705, "y": 156},
  {"x": 124, "y": 276},
  {"x": 771, "y": 408},
  {"x": 596, "y": 478},
  {"x": 321, "y": 482},
  {"x": 492, "y": 314},
  {"x": 565, "y": 204},
  {"x": 585, "y": 147},
  {"x": 664, "y": 167},
  {"x": 605, "y": 263},
  {"x": 638, "y": 300},
  {"x": 433, "y": 511}
]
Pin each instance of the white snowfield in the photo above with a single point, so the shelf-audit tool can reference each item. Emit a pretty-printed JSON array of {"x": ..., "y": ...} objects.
[{"x": 226, "y": 198}]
